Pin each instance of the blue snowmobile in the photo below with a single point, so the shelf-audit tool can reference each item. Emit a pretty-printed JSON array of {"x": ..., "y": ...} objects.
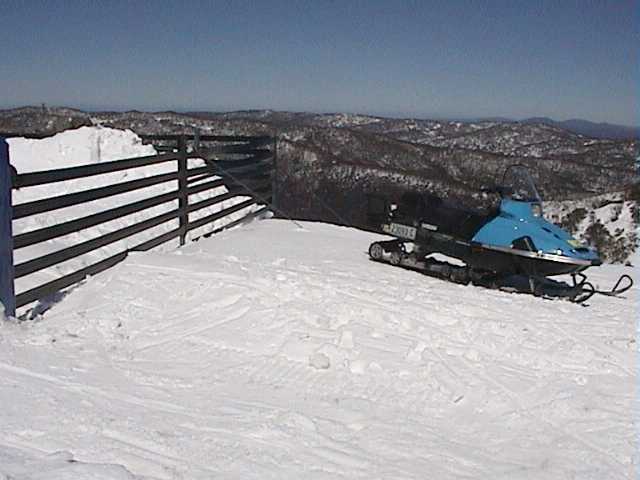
[{"x": 511, "y": 247}]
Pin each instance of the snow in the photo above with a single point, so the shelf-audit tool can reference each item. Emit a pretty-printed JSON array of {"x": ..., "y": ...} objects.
[
  {"x": 56, "y": 466},
  {"x": 76, "y": 147},
  {"x": 273, "y": 351},
  {"x": 617, "y": 217}
]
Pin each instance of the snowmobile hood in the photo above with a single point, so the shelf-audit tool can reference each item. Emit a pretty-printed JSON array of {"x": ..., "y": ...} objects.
[{"x": 517, "y": 229}]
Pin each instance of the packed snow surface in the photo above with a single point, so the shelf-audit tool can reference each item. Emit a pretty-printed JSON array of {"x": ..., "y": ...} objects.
[{"x": 273, "y": 351}]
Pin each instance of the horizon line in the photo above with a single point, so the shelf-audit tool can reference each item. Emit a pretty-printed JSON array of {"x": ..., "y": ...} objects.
[{"x": 395, "y": 116}]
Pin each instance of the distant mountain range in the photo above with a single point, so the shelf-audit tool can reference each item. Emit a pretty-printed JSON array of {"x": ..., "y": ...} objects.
[
  {"x": 342, "y": 158},
  {"x": 600, "y": 130},
  {"x": 590, "y": 129}
]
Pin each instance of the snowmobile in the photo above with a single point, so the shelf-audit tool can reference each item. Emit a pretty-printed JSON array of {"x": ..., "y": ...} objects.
[{"x": 511, "y": 247}]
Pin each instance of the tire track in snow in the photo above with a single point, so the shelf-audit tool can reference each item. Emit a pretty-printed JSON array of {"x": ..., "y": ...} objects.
[{"x": 230, "y": 318}]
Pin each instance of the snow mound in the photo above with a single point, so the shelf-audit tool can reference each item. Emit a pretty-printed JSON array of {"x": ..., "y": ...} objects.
[
  {"x": 76, "y": 147},
  {"x": 272, "y": 351}
]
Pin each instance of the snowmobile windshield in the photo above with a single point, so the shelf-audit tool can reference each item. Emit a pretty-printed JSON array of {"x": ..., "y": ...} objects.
[{"x": 518, "y": 181}]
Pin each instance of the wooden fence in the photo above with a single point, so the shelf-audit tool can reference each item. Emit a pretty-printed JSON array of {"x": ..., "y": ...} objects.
[{"x": 244, "y": 165}]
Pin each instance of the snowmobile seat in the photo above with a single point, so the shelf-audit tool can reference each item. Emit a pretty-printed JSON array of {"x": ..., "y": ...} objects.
[{"x": 455, "y": 220}]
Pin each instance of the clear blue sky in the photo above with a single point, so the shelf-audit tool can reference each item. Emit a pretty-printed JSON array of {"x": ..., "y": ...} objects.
[{"x": 511, "y": 58}]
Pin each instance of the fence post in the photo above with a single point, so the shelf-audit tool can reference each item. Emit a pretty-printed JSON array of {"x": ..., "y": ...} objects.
[
  {"x": 274, "y": 179},
  {"x": 183, "y": 199},
  {"x": 7, "y": 292}
]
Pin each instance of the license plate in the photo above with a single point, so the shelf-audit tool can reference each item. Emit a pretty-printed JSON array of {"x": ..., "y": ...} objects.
[{"x": 403, "y": 231}]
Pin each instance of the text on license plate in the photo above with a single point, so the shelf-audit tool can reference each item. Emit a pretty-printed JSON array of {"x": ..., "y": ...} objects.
[{"x": 403, "y": 231}]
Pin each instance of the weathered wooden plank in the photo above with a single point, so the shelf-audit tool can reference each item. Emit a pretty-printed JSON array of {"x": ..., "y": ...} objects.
[
  {"x": 212, "y": 201},
  {"x": 154, "y": 242},
  {"x": 260, "y": 170},
  {"x": 70, "y": 173},
  {"x": 76, "y": 198},
  {"x": 222, "y": 213},
  {"x": 201, "y": 187}
]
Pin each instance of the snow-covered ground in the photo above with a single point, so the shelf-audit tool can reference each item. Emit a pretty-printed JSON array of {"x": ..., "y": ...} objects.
[{"x": 271, "y": 351}]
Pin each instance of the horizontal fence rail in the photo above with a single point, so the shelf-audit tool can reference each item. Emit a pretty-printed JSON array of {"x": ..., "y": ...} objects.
[
  {"x": 64, "y": 174},
  {"x": 244, "y": 165}
]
